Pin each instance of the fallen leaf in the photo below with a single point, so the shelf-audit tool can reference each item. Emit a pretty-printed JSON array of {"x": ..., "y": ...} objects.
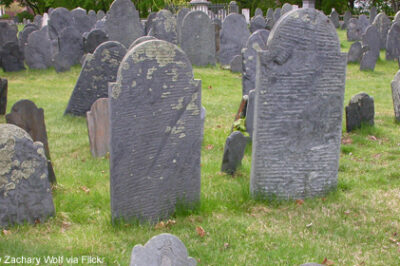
[
  {"x": 226, "y": 245},
  {"x": 327, "y": 262},
  {"x": 309, "y": 225},
  {"x": 6, "y": 232},
  {"x": 37, "y": 221},
  {"x": 347, "y": 141},
  {"x": 85, "y": 189},
  {"x": 377, "y": 156},
  {"x": 393, "y": 240},
  {"x": 170, "y": 223},
  {"x": 103, "y": 172},
  {"x": 209, "y": 147},
  {"x": 65, "y": 226},
  {"x": 373, "y": 138},
  {"x": 347, "y": 212},
  {"x": 219, "y": 126},
  {"x": 200, "y": 231},
  {"x": 323, "y": 199},
  {"x": 160, "y": 225},
  {"x": 299, "y": 202},
  {"x": 210, "y": 87}
]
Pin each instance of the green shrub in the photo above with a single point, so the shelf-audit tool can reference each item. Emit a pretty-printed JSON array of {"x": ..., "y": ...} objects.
[
  {"x": 24, "y": 14},
  {"x": 5, "y": 16}
]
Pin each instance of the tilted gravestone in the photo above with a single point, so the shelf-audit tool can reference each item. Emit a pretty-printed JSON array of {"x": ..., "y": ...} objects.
[
  {"x": 354, "y": 30},
  {"x": 257, "y": 23},
  {"x": 250, "y": 113},
  {"x": 360, "y": 111},
  {"x": 38, "y": 53},
  {"x": 235, "y": 146},
  {"x": 92, "y": 84},
  {"x": 334, "y": 16},
  {"x": 393, "y": 42},
  {"x": 286, "y": 8},
  {"x": 59, "y": 19},
  {"x": 8, "y": 33},
  {"x": 11, "y": 57},
  {"x": 198, "y": 41},
  {"x": 382, "y": 23},
  {"x": 123, "y": 23},
  {"x": 355, "y": 53},
  {"x": 70, "y": 49},
  {"x": 346, "y": 18},
  {"x": 236, "y": 64},
  {"x": 370, "y": 47},
  {"x": 269, "y": 19},
  {"x": 98, "y": 123},
  {"x": 364, "y": 22},
  {"x": 164, "y": 249},
  {"x": 299, "y": 105},
  {"x": 93, "y": 39},
  {"x": 155, "y": 114},
  {"x": 372, "y": 14},
  {"x": 233, "y": 37},
  {"x": 256, "y": 42},
  {"x": 179, "y": 21},
  {"x": 3, "y": 96},
  {"x": 396, "y": 95},
  {"x": 163, "y": 27},
  {"x": 27, "y": 116},
  {"x": 82, "y": 21},
  {"x": 25, "y": 194}
]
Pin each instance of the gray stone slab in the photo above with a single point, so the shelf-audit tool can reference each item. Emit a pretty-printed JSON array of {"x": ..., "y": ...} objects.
[
  {"x": 250, "y": 112},
  {"x": 8, "y": 33},
  {"x": 81, "y": 20},
  {"x": 396, "y": 96},
  {"x": 233, "y": 7},
  {"x": 257, "y": 23},
  {"x": 149, "y": 21},
  {"x": 25, "y": 194},
  {"x": 198, "y": 38},
  {"x": 334, "y": 16},
  {"x": 98, "y": 123},
  {"x": 393, "y": 42},
  {"x": 299, "y": 105},
  {"x": 286, "y": 8},
  {"x": 38, "y": 53},
  {"x": 179, "y": 21},
  {"x": 3, "y": 96},
  {"x": 235, "y": 146},
  {"x": 140, "y": 40},
  {"x": 269, "y": 19},
  {"x": 364, "y": 22},
  {"x": 24, "y": 34},
  {"x": 355, "y": 53},
  {"x": 372, "y": 14},
  {"x": 258, "y": 12},
  {"x": 354, "y": 30},
  {"x": 359, "y": 111},
  {"x": 92, "y": 84},
  {"x": 70, "y": 49},
  {"x": 155, "y": 112},
  {"x": 38, "y": 20},
  {"x": 370, "y": 48},
  {"x": 236, "y": 64},
  {"x": 382, "y": 23},
  {"x": 347, "y": 16},
  {"x": 100, "y": 14},
  {"x": 163, "y": 249},
  {"x": 11, "y": 57},
  {"x": 164, "y": 27},
  {"x": 59, "y": 19},
  {"x": 233, "y": 37},
  {"x": 93, "y": 39},
  {"x": 277, "y": 15}
]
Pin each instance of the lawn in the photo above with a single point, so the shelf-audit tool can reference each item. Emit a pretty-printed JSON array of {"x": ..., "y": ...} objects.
[{"x": 359, "y": 224}]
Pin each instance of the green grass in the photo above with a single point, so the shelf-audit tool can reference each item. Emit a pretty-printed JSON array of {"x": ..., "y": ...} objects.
[{"x": 359, "y": 224}]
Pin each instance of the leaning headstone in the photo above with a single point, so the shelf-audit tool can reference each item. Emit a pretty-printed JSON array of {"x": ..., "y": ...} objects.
[
  {"x": 372, "y": 14},
  {"x": 155, "y": 114},
  {"x": 258, "y": 12},
  {"x": 359, "y": 111},
  {"x": 123, "y": 23},
  {"x": 296, "y": 140},
  {"x": 363, "y": 21},
  {"x": 8, "y": 33},
  {"x": 12, "y": 58},
  {"x": 286, "y": 8},
  {"x": 269, "y": 19},
  {"x": 98, "y": 123},
  {"x": 370, "y": 48},
  {"x": 393, "y": 42},
  {"x": 256, "y": 42},
  {"x": 179, "y": 21},
  {"x": 141, "y": 39},
  {"x": 25, "y": 194},
  {"x": 163, "y": 249},
  {"x": 235, "y": 146},
  {"x": 250, "y": 113},
  {"x": 233, "y": 36},
  {"x": 347, "y": 16},
  {"x": 70, "y": 49},
  {"x": 198, "y": 41},
  {"x": 233, "y": 7},
  {"x": 355, "y": 53},
  {"x": 27, "y": 116},
  {"x": 149, "y": 21},
  {"x": 257, "y": 23},
  {"x": 38, "y": 49},
  {"x": 82, "y": 21},
  {"x": 236, "y": 64},
  {"x": 396, "y": 95},
  {"x": 382, "y": 23},
  {"x": 59, "y": 19},
  {"x": 98, "y": 69},
  {"x": 354, "y": 30},
  {"x": 24, "y": 34},
  {"x": 163, "y": 27},
  {"x": 3, "y": 96},
  {"x": 93, "y": 39}
]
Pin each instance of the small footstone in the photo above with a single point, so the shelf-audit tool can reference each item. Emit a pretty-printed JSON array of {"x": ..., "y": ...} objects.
[
  {"x": 360, "y": 110},
  {"x": 355, "y": 53},
  {"x": 3, "y": 96},
  {"x": 236, "y": 64},
  {"x": 396, "y": 96},
  {"x": 235, "y": 146},
  {"x": 98, "y": 122}
]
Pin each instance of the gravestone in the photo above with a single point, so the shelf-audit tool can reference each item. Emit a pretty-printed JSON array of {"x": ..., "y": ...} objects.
[
  {"x": 235, "y": 146},
  {"x": 149, "y": 21},
  {"x": 98, "y": 123},
  {"x": 396, "y": 95},
  {"x": 198, "y": 41},
  {"x": 38, "y": 53},
  {"x": 236, "y": 64},
  {"x": 258, "y": 12},
  {"x": 70, "y": 49},
  {"x": 123, "y": 23},
  {"x": 360, "y": 110},
  {"x": 163, "y": 27},
  {"x": 27, "y": 116},
  {"x": 141, "y": 39},
  {"x": 299, "y": 105},
  {"x": 233, "y": 37},
  {"x": 3, "y": 96},
  {"x": 269, "y": 19},
  {"x": 82, "y": 21},
  {"x": 233, "y": 7},
  {"x": 363, "y": 22},
  {"x": 393, "y": 42},
  {"x": 372, "y": 14},
  {"x": 24, "y": 34},
  {"x": 93, "y": 39},
  {"x": 277, "y": 15},
  {"x": 217, "y": 25},
  {"x": 257, "y": 23},
  {"x": 256, "y": 42},
  {"x": 100, "y": 24},
  {"x": 179, "y": 21},
  {"x": 25, "y": 194},
  {"x": 92, "y": 84},
  {"x": 354, "y": 30},
  {"x": 12, "y": 58},
  {"x": 334, "y": 16},
  {"x": 346, "y": 18},
  {"x": 250, "y": 113},
  {"x": 355, "y": 53},
  {"x": 370, "y": 48},
  {"x": 396, "y": 17},
  {"x": 155, "y": 114},
  {"x": 8, "y": 33},
  {"x": 59, "y": 19},
  {"x": 163, "y": 249},
  {"x": 100, "y": 14},
  {"x": 382, "y": 23},
  {"x": 93, "y": 17},
  {"x": 286, "y": 8},
  {"x": 38, "y": 21}
]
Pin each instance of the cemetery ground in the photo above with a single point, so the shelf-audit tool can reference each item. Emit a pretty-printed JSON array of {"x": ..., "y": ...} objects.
[{"x": 359, "y": 224}]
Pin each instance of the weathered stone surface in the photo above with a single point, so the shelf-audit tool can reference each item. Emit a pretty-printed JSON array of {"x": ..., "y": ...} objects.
[
  {"x": 258, "y": 12},
  {"x": 277, "y": 14},
  {"x": 233, "y": 36},
  {"x": 250, "y": 113},
  {"x": 3, "y": 96},
  {"x": 38, "y": 20},
  {"x": 163, "y": 27},
  {"x": 8, "y": 33},
  {"x": 235, "y": 146},
  {"x": 257, "y": 23},
  {"x": 299, "y": 105},
  {"x": 233, "y": 7},
  {"x": 217, "y": 25},
  {"x": 12, "y": 58},
  {"x": 256, "y": 42},
  {"x": 198, "y": 41},
  {"x": 179, "y": 21},
  {"x": 163, "y": 249},
  {"x": 24, "y": 34},
  {"x": 82, "y": 21},
  {"x": 372, "y": 14},
  {"x": 149, "y": 21},
  {"x": 269, "y": 19},
  {"x": 59, "y": 19},
  {"x": 382, "y": 23},
  {"x": 98, "y": 69},
  {"x": 393, "y": 42},
  {"x": 101, "y": 24},
  {"x": 25, "y": 194},
  {"x": 100, "y": 14},
  {"x": 93, "y": 16},
  {"x": 354, "y": 30},
  {"x": 38, "y": 53},
  {"x": 155, "y": 108},
  {"x": 142, "y": 39},
  {"x": 123, "y": 23},
  {"x": 370, "y": 48},
  {"x": 355, "y": 53},
  {"x": 93, "y": 39},
  {"x": 360, "y": 110},
  {"x": 98, "y": 123},
  {"x": 70, "y": 49},
  {"x": 286, "y": 8},
  {"x": 236, "y": 64},
  {"x": 346, "y": 18},
  {"x": 396, "y": 95},
  {"x": 363, "y": 22}
]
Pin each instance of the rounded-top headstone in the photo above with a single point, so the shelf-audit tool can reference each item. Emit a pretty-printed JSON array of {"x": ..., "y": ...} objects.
[
  {"x": 142, "y": 39},
  {"x": 149, "y": 21},
  {"x": 257, "y": 23},
  {"x": 372, "y": 14},
  {"x": 164, "y": 27},
  {"x": 258, "y": 12},
  {"x": 38, "y": 49},
  {"x": 370, "y": 44},
  {"x": 81, "y": 20},
  {"x": 93, "y": 39},
  {"x": 100, "y": 14},
  {"x": 179, "y": 21},
  {"x": 382, "y": 23},
  {"x": 335, "y": 18},
  {"x": 393, "y": 42},
  {"x": 277, "y": 14},
  {"x": 59, "y": 19},
  {"x": 354, "y": 30},
  {"x": 286, "y": 8},
  {"x": 7, "y": 33}
]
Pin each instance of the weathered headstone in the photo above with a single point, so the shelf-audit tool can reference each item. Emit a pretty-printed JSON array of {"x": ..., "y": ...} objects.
[
  {"x": 235, "y": 146},
  {"x": 257, "y": 23},
  {"x": 198, "y": 41},
  {"x": 363, "y": 22},
  {"x": 382, "y": 23},
  {"x": 101, "y": 24},
  {"x": 354, "y": 30},
  {"x": 258, "y": 12},
  {"x": 70, "y": 49},
  {"x": 236, "y": 64},
  {"x": 163, "y": 249},
  {"x": 250, "y": 112},
  {"x": 98, "y": 123},
  {"x": 149, "y": 21},
  {"x": 25, "y": 194},
  {"x": 355, "y": 53},
  {"x": 217, "y": 25},
  {"x": 98, "y": 69},
  {"x": 38, "y": 53},
  {"x": 12, "y": 58},
  {"x": 93, "y": 39},
  {"x": 82, "y": 21},
  {"x": 269, "y": 19},
  {"x": 93, "y": 16},
  {"x": 179, "y": 21},
  {"x": 27, "y": 116},
  {"x": 3, "y": 96},
  {"x": 370, "y": 47},
  {"x": 141, "y": 39},
  {"x": 38, "y": 20},
  {"x": 8, "y": 33},
  {"x": 233, "y": 7},
  {"x": 155, "y": 109},
  {"x": 347, "y": 16},
  {"x": 396, "y": 95},
  {"x": 163, "y": 27},
  {"x": 360, "y": 110},
  {"x": 393, "y": 42},
  {"x": 100, "y": 14},
  {"x": 59, "y": 19},
  {"x": 233, "y": 36},
  {"x": 286, "y": 8},
  {"x": 299, "y": 105},
  {"x": 256, "y": 42},
  {"x": 24, "y": 34},
  {"x": 277, "y": 15},
  {"x": 123, "y": 23},
  {"x": 372, "y": 14}
]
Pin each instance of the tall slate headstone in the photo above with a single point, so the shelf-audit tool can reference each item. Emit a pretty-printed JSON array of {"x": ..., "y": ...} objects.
[
  {"x": 269, "y": 19},
  {"x": 81, "y": 20},
  {"x": 3, "y": 96},
  {"x": 92, "y": 84},
  {"x": 363, "y": 22},
  {"x": 38, "y": 53},
  {"x": 149, "y": 21},
  {"x": 98, "y": 123},
  {"x": 11, "y": 57},
  {"x": 370, "y": 48},
  {"x": 299, "y": 105},
  {"x": 59, "y": 19},
  {"x": 93, "y": 39},
  {"x": 155, "y": 108},
  {"x": 8, "y": 33},
  {"x": 198, "y": 41},
  {"x": 372, "y": 14},
  {"x": 393, "y": 42},
  {"x": 277, "y": 14},
  {"x": 382, "y": 23},
  {"x": 257, "y": 23},
  {"x": 164, "y": 27},
  {"x": 396, "y": 95},
  {"x": 70, "y": 49},
  {"x": 24, "y": 34},
  {"x": 354, "y": 30},
  {"x": 38, "y": 20},
  {"x": 355, "y": 53},
  {"x": 360, "y": 111},
  {"x": 179, "y": 21},
  {"x": 286, "y": 8},
  {"x": 347, "y": 16}
]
